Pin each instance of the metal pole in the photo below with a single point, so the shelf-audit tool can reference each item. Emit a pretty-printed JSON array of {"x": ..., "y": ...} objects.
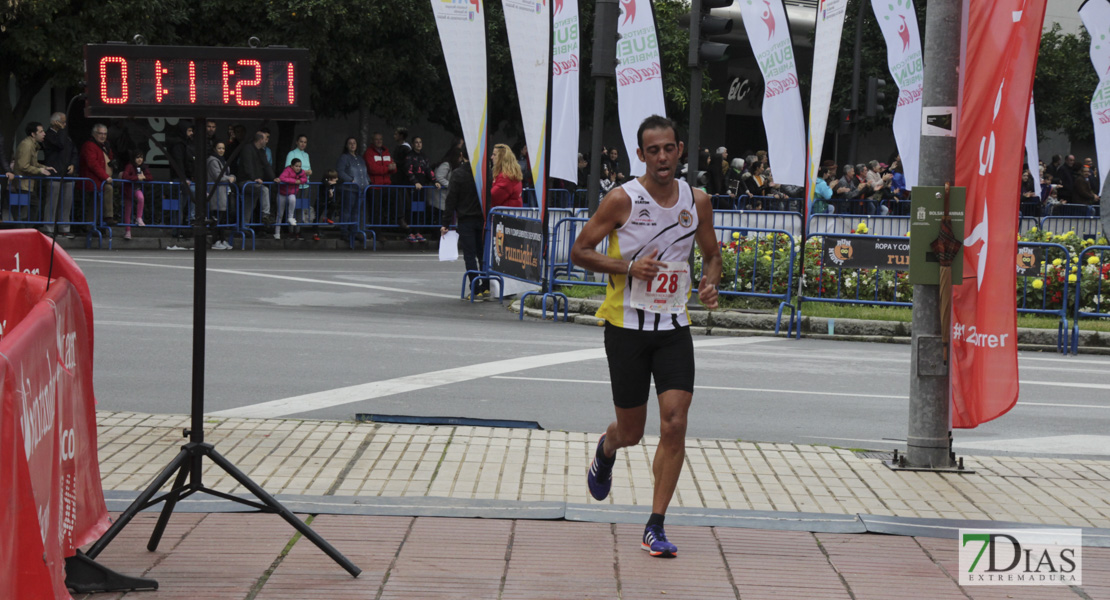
[
  {"x": 856, "y": 60},
  {"x": 604, "y": 67},
  {"x": 927, "y": 443},
  {"x": 694, "y": 135}
]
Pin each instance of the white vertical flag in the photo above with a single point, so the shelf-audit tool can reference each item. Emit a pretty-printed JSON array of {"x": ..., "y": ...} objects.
[
  {"x": 769, "y": 34},
  {"x": 826, "y": 51},
  {"x": 462, "y": 33},
  {"x": 528, "y": 24},
  {"x": 639, "y": 75},
  {"x": 1032, "y": 153},
  {"x": 898, "y": 20},
  {"x": 1096, "y": 18},
  {"x": 564, "y": 91}
]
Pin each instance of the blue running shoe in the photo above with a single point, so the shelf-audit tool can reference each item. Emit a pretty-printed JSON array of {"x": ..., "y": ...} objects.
[
  {"x": 655, "y": 542},
  {"x": 600, "y": 476}
]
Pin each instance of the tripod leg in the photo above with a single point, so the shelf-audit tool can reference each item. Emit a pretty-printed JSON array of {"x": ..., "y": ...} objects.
[
  {"x": 126, "y": 516},
  {"x": 167, "y": 508},
  {"x": 285, "y": 513}
]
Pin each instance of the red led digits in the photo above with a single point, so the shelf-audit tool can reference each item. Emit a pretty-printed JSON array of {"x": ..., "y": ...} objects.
[
  {"x": 289, "y": 72},
  {"x": 159, "y": 90},
  {"x": 104, "y": 97},
  {"x": 239, "y": 85},
  {"x": 227, "y": 73},
  {"x": 192, "y": 82}
]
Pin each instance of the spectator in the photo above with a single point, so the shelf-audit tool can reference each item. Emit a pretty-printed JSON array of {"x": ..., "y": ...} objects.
[
  {"x": 61, "y": 155},
  {"x": 463, "y": 208},
  {"x": 300, "y": 152},
  {"x": 736, "y": 185},
  {"x": 898, "y": 180},
  {"x": 1028, "y": 192},
  {"x": 256, "y": 173},
  {"x": 236, "y": 136},
  {"x": 612, "y": 160},
  {"x": 848, "y": 187},
  {"x": 1093, "y": 179},
  {"x": 328, "y": 199},
  {"x": 381, "y": 166},
  {"x": 507, "y": 178},
  {"x": 1082, "y": 193},
  {"x": 400, "y": 155},
  {"x": 292, "y": 178},
  {"x": 525, "y": 163},
  {"x": 97, "y": 165},
  {"x": 717, "y": 175},
  {"x": 1065, "y": 177},
  {"x": 210, "y": 137},
  {"x": 266, "y": 148},
  {"x": 183, "y": 153},
  {"x": 6, "y": 169},
  {"x": 354, "y": 179},
  {"x": 27, "y": 165},
  {"x": 583, "y": 172},
  {"x": 418, "y": 173},
  {"x": 448, "y": 163},
  {"x": 822, "y": 192},
  {"x": 219, "y": 175},
  {"x": 136, "y": 173}
]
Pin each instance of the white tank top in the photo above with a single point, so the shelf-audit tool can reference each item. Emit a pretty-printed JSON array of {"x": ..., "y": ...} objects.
[{"x": 649, "y": 227}]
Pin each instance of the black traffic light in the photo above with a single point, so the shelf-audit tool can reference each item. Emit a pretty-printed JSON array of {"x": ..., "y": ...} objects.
[
  {"x": 874, "y": 96},
  {"x": 845, "y": 121},
  {"x": 705, "y": 26}
]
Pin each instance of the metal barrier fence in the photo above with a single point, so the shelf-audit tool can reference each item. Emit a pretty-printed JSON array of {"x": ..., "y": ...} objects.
[
  {"x": 1027, "y": 223},
  {"x": 791, "y": 222},
  {"x": 1092, "y": 286},
  {"x": 868, "y": 286},
  {"x": 563, "y": 272},
  {"x": 757, "y": 263},
  {"x": 1082, "y": 226},
  {"x": 1036, "y": 298},
  {"x": 746, "y": 202},
  {"x": 843, "y": 224},
  {"x": 38, "y": 201}
]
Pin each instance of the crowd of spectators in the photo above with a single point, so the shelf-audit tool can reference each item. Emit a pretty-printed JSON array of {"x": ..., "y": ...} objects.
[{"x": 1063, "y": 182}]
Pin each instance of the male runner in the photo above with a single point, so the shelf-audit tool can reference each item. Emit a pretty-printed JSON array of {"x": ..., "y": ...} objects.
[{"x": 651, "y": 223}]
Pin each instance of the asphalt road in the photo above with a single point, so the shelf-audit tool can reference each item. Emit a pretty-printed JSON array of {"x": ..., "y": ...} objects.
[{"x": 329, "y": 335}]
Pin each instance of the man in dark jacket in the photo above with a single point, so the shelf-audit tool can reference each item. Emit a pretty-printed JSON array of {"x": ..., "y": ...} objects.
[
  {"x": 60, "y": 154},
  {"x": 1065, "y": 177},
  {"x": 257, "y": 174},
  {"x": 465, "y": 207},
  {"x": 183, "y": 153}
]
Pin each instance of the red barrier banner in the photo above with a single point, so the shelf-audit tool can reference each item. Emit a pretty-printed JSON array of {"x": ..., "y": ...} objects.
[
  {"x": 999, "y": 61},
  {"x": 49, "y": 472},
  {"x": 28, "y": 251}
]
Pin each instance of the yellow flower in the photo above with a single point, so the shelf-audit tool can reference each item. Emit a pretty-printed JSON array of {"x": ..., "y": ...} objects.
[
  {"x": 735, "y": 235},
  {"x": 1072, "y": 278},
  {"x": 1093, "y": 260},
  {"x": 1058, "y": 262},
  {"x": 907, "y": 234},
  {"x": 1048, "y": 234},
  {"x": 1038, "y": 284},
  {"x": 1075, "y": 259},
  {"x": 770, "y": 236},
  {"x": 1074, "y": 269},
  {"x": 1032, "y": 230}
]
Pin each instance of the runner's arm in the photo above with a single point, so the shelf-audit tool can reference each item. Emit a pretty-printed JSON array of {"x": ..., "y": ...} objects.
[
  {"x": 710, "y": 251},
  {"x": 614, "y": 210}
]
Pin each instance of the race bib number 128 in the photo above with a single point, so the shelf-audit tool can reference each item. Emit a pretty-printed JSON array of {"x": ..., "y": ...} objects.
[{"x": 666, "y": 293}]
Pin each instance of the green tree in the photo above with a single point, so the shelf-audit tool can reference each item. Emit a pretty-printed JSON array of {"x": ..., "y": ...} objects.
[{"x": 1064, "y": 84}]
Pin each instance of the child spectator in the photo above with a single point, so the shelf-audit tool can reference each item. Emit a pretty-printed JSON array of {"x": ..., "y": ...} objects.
[
  {"x": 291, "y": 179},
  {"x": 137, "y": 173}
]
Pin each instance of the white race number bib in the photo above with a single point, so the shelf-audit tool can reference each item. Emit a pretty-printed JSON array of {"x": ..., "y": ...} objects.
[{"x": 666, "y": 293}]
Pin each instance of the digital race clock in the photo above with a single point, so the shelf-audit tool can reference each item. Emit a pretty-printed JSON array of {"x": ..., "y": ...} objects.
[{"x": 183, "y": 81}]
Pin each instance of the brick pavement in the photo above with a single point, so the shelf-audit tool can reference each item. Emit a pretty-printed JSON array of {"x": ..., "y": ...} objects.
[{"x": 259, "y": 557}]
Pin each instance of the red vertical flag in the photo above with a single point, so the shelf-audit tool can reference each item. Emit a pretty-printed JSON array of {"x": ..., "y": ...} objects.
[{"x": 999, "y": 61}]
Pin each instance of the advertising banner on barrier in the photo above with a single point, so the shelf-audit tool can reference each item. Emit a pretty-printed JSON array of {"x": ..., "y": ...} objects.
[
  {"x": 48, "y": 453},
  {"x": 826, "y": 52},
  {"x": 866, "y": 253},
  {"x": 462, "y": 34},
  {"x": 528, "y": 24},
  {"x": 1096, "y": 18},
  {"x": 1030, "y": 261},
  {"x": 769, "y": 34},
  {"x": 639, "y": 75},
  {"x": 1032, "y": 152},
  {"x": 564, "y": 91},
  {"x": 898, "y": 21},
  {"x": 997, "y": 69},
  {"x": 517, "y": 246},
  {"x": 28, "y": 251}
]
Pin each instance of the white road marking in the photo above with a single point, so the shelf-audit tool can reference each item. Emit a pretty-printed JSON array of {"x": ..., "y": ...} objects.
[
  {"x": 421, "y": 381},
  {"x": 364, "y": 286},
  {"x": 1089, "y": 386},
  {"x": 718, "y": 388},
  {"x": 1020, "y": 403}
]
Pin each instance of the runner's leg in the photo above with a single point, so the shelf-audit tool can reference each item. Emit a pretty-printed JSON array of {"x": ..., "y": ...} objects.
[{"x": 669, "y": 456}]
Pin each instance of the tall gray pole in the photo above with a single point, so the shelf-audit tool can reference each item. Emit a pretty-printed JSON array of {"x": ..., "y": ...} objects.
[
  {"x": 927, "y": 444},
  {"x": 604, "y": 68},
  {"x": 693, "y": 162}
]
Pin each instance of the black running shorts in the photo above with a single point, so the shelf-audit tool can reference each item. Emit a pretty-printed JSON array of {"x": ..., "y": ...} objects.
[{"x": 635, "y": 356}]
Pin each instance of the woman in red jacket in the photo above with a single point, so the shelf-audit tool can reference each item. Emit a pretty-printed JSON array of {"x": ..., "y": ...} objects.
[{"x": 507, "y": 188}]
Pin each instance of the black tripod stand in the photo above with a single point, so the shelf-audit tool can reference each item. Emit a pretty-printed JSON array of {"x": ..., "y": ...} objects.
[{"x": 189, "y": 462}]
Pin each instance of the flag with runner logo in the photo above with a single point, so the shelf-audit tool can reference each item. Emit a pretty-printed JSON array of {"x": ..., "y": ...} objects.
[
  {"x": 826, "y": 51},
  {"x": 1096, "y": 18},
  {"x": 564, "y": 91},
  {"x": 898, "y": 21},
  {"x": 528, "y": 24},
  {"x": 462, "y": 33},
  {"x": 769, "y": 35},
  {"x": 997, "y": 69},
  {"x": 639, "y": 75}
]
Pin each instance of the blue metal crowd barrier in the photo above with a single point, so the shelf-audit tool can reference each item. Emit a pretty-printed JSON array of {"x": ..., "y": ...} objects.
[
  {"x": 1027, "y": 223},
  {"x": 401, "y": 207},
  {"x": 1082, "y": 226},
  {"x": 839, "y": 285},
  {"x": 764, "y": 274},
  {"x": 564, "y": 272},
  {"x": 1027, "y": 292},
  {"x": 864, "y": 206},
  {"x": 38, "y": 201},
  {"x": 1032, "y": 209},
  {"x": 1071, "y": 210},
  {"x": 1097, "y": 305},
  {"x": 770, "y": 203},
  {"x": 845, "y": 224},
  {"x": 791, "y": 222}
]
